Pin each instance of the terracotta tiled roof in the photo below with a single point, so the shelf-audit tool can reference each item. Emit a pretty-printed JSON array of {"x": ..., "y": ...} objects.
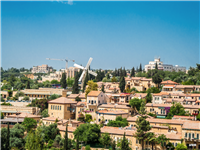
[
  {"x": 169, "y": 105},
  {"x": 125, "y": 94},
  {"x": 73, "y": 95},
  {"x": 81, "y": 104},
  {"x": 191, "y": 125},
  {"x": 146, "y": 79},
  {"x": 185, "y": 86},
  {"x": 160, "y": 94},
  {"x": 178, "y": 94},
  {"x": 113, "y": 106},
  {"x": 117, "y": 130},
  {"x": 173, "y": 136},
  {"x": 142, "y": 95},
  {"x": 111, "y": 112},
  {"x": 82, "y": 96},
  {"x": 182, "y": 117},
  {"x": 51, "y": 118},
  {"x": 94, "y": 93},
  {"x": 62, "y": 100},
  {"x": 23, "y": 115},
  {"x": 169, "y": 86},
  {"x": 63, "y": 128},
  {"x": 192, "y": 95},
  {"x": 169, "y": 82}
]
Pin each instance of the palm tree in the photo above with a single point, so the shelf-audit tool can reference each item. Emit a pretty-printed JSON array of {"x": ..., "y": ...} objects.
[
  {"x": 151, "y": 137},
  {"x": 162, "y": 139}
]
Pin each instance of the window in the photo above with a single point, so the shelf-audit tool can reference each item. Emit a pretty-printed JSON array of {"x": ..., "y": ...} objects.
[
  {"x": 175, "y": 144},
  {"x": 192, "y": 135},
  {"x": 68, "y": 108},
  {"x": 185, "y": 134},
  {"x": 60, "y": 107},
  {"x": 146, "y": 143},
  {"x": 197, "y": 136},
  {"x": 136, "y": 141},
  {"x": 189, "y": 135},
  {"x": 99, "y": 101},
  {"x": 89, "y": 101},
  {"x": 51, "y": 106}
]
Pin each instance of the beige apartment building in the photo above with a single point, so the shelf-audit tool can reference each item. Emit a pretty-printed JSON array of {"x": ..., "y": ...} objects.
[
  {"x": 42, "y": 69},
  {"x": 140, "y": 83},
  {"x": 62, "y": 108},
  {"x": 10, "y": 110},
  {"x": 42, "y": 92}
]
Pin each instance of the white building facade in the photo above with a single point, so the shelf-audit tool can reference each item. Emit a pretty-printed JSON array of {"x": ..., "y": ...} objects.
[{"x": 164, "y": 67}]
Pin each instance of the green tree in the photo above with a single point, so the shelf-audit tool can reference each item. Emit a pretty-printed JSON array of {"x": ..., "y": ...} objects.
[
  {"x": 142, "y": 126},
  {"x": 148, "y": 97},
  {"x": 45, "y": 113},
  {"x": 135, "y": 104},
  {"x": 75, "y": 85},
  {"x": 2, "y": 116},
  {"x": 63, "y": 81},
  {"x": 85, "y": 81},
  {"x": 29, "y": 123},
  {"x": 176, "y": 109},
  {"x": 156, "y": 67},
  {"x": 153, "y": 90},
  {"x": 87, "y": 147},
  {"x": 113, "y": 145},
  {"x": 157, "y": 79},
  {"x": 102, "y": 88},
  {"x": 92, "y": 86},
  {"x": 55, "y": 82},
  {"x": 151, "y": 137},
  {"x": 125, "y": 144},
  {"x": 107, "y": 76},
  {"x": 122, "y": 84},
  {"x": 170, "y": 146},
  {"x": 28, "y": 85},
  {"x": 113, "y": 79},
  {"x": 140, "y": 70},
  {"x": 181, "y": 146},
  {"x": 105, "y": 139},
  {"x": 77, "y": 99},
  {"x": 70, "y": 82},
  {"x": 118, "y": 122},
  {"x": 88, "y": 133},
  {"x": 162, "y": 139},
  {"x": 88, "y": 118},
  {"x": 66, "y": 139},
  {"x": 133, "y": 72},
  {"x": 26, "y": 98},
  {"x": 198, "y": 82},
  {"x": 54, "y": 96},
  {"x": 8, "y": 138},
  {"x": 77, "y": 143}
]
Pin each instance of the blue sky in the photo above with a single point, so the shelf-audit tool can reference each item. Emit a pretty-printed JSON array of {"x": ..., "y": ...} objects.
[{"x": 115, "y": 34}]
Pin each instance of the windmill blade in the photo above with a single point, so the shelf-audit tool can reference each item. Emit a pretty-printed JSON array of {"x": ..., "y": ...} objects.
[
  {"x": 81, "y": 67},
  {"x": 80, "y": 79},
  {"x": 92, "y": 73},
  {"x": 89, "y": 62}
]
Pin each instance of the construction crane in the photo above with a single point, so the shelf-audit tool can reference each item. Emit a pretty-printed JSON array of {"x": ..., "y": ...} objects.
[{"x": 66, "y": 60}]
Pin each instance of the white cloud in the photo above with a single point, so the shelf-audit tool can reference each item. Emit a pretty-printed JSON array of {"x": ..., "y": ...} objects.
[{"x": 69, "y": 2}]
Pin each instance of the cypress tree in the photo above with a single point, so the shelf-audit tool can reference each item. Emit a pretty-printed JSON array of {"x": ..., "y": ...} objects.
[
  {"x": 113, "y": 145},
  {"x": 122, "y": 84},
  {"x": 124, "y": 72},
  {"x": 156, "y": 67},
  {"x": 108, "y": 76},
  {"x": 63, "y": 81},
  {"x": 102, "y": 88},
  {"x": 28, "y": 85},
  {"x": 75, "y": 86},
  {"x": 140, "y": 67},
  {"x": 8, "y": 138},
  {"x": 85, "y": 81},
  {"x": 125, "y": 144},
  {"x": 133, "y": 72},
  {"x": 142, "y": 125},
  {"x": 148, "y": 97},
  {"x": 66, "y": 147},
  {"x": 77, "y": 142}
]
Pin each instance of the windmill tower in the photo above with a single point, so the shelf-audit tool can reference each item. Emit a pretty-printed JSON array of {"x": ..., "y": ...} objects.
[{"x": 85, "y": 70}]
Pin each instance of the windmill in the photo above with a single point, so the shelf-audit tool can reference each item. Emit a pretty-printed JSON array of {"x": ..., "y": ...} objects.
[
  {"x": 85, "y": 69},
  {"x": 62, "y": 60}
]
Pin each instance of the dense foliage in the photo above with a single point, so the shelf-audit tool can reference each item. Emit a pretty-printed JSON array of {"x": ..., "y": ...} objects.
[
  {"x": 176, "y": 109},
  {"x": 118, "y": 122}
]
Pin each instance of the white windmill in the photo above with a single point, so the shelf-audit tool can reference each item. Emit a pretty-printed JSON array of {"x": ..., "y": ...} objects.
[{"x": 85, "y": 69}]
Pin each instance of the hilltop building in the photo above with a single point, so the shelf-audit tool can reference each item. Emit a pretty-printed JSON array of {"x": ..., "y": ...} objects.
[
  {"x": 164, "y": 67},
  {"x": 42, "y": 69}
]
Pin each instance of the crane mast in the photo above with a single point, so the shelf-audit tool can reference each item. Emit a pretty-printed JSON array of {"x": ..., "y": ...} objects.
[{"x": 66, "y": 60}]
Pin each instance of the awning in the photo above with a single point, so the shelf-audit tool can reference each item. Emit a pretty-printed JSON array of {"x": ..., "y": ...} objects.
[{"x": 161, "y": 117}]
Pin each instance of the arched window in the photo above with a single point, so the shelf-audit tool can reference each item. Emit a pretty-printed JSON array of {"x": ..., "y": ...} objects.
[{"x": 92, "y": 102}]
